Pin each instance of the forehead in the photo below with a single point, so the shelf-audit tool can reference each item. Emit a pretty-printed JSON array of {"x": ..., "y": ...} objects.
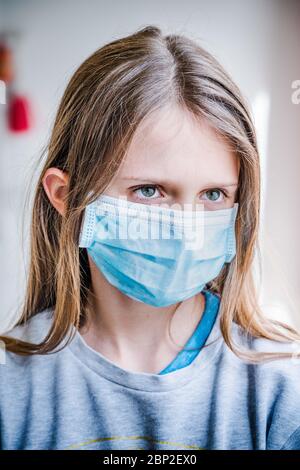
[{"x": 173, "y": 139}]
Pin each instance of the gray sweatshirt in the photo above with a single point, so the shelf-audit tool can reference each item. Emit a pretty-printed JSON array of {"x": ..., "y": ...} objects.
[{"x": 78, "y": 399}]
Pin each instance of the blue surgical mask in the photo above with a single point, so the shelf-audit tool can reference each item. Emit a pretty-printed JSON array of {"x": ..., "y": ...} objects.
[{"x": 157, "y": 255}]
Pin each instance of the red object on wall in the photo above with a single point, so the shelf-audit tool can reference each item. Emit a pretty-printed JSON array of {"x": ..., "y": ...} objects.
[
  {"x": 18, "y": 108},
  {"x": 6, "y": 67},
  {"x": 18, "y": 114}
]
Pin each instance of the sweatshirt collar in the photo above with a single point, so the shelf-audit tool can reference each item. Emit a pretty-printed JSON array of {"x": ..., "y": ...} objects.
[{"x": 149, "y": 381}]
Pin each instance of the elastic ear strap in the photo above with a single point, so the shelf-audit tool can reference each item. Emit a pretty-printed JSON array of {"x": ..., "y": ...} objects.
[
  {"x": 231, "y": 242},
  {"x": 88, "y": 226}
]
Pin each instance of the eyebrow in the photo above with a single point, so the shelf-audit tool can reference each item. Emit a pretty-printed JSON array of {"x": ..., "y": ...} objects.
[{"x": 169, "y": 182}]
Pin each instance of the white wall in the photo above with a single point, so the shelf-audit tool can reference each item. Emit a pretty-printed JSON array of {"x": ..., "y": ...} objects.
[
  {"x": 281, "y": 224},
  {"x": 56, "y": 36}
]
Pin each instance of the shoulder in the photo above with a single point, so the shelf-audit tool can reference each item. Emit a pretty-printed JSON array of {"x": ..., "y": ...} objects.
[
  {"x": 22, "y": 375},
  {"x": 32, "y": 327},
  {"x": 280, "y": 369},
  {"x": 34, "y": 330},
  {"x": 275, "y": 384}
]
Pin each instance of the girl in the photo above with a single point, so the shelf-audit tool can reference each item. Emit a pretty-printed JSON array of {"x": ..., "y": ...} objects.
[{"x": 148, "y": 125}]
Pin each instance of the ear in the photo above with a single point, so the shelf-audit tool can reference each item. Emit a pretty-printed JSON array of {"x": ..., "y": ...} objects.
[{"x": 55, "y": 183}]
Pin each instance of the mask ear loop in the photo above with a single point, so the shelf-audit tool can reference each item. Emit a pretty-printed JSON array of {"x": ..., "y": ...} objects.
[
  {"x": 231, "y": 241},
  {"x": 88, "y": 226}
]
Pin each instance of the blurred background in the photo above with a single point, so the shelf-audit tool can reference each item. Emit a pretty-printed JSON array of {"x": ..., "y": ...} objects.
[{"x": 258, "y": 42}]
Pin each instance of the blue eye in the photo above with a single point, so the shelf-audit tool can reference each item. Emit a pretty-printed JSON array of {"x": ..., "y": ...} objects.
[
  {"x": 147, "y": 191},
  {"x": 213, "y": 195}
]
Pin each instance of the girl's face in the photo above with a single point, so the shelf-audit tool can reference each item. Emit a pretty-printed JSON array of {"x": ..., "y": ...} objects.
[{"x": 174, "y": 159}]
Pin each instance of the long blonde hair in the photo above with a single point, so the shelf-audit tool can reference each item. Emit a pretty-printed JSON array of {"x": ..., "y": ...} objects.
[{"x": 107, "y": 98}]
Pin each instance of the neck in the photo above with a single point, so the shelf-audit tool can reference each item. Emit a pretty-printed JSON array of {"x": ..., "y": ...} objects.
[{"x": 133, "y": 334}]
